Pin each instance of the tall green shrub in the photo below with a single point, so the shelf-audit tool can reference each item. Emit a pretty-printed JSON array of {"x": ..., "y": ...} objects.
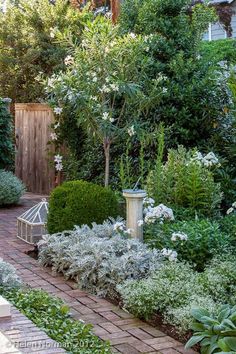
[
  {"x": 6, "y": 136},
  {"x": 185, "y": 182},
  {"x": 80, "y": 203},
  {"x": 28, "y": 32}
]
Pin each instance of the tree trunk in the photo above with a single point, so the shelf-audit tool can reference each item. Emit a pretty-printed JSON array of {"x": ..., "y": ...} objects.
[
  {"x": 106, "y": 146},
  {"x": 115, "y": 10}
]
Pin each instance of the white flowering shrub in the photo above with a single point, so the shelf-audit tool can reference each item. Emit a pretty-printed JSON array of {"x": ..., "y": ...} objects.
[
  {"x": 98, "y": 258},
  {"x": 8, "y": 276},
  {"x": 194, "y": 241},
  {"x": 186, "y": 180},
  {"x": 168, "y": 288},
  {"x": 181, "y": 317},
  {"x": 219, "y": 279},
  {"x": 175, "y": 289}
]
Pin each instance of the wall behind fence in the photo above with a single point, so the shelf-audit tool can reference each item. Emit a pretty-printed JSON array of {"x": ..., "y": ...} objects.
[{"x": 32, "y": 131}]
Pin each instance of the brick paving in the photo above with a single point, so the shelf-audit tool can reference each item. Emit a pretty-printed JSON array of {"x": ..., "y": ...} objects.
[
  {"x": 126, "y": 334},
  {"x": 24, "y": 337}
]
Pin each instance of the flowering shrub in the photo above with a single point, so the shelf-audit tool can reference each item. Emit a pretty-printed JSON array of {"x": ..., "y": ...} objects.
[
  {"x": 8, "y": 276},
  {"x": 98, "y": 258},
  {"x": 195, "y": 241},
  {"x": 185, "y": 181},
  {"x": 102, "y": 85},
  {"x": 219, "y": 279},
  {"x": 11, "y": 188}
]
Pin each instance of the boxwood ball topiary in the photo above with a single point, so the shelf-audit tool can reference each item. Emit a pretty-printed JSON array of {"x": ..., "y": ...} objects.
[
  {"x": 78, "y": 203},
  {"x": 11, "y": 188}
]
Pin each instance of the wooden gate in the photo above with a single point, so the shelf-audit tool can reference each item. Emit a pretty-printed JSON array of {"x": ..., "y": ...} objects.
[{"x": 32, "y": 132}]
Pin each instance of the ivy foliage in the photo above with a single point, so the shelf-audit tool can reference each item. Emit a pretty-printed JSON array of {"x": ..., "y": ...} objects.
[
  {"x": 52, "y": 316},
  {"x": 6, "y": 136}
]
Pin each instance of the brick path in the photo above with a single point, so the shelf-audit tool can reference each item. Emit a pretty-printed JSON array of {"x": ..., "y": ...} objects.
[
  {"x": 25, "y": 337},
  {"x": 127, "y": 334}
]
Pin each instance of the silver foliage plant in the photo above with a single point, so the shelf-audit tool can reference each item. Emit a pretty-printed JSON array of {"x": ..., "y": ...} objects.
[
  {"x": 98, "y": 258},
  {"x": 8, "y": 276}
]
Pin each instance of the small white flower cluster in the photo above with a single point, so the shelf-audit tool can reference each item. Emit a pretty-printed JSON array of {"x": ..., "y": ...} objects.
[
  {"x": 58, "y": 161},
  {"x": 106, "y": 116},
  {"x": 69, "y": 60},
  {"x": 179, "y": 235},
  {"x": 232, "y": 209},
  {"x": 170, "y": 254},
  {"x": 208, "y": 160},
  {"x": 113, "y": 87},
  {"x": 53, "y": 31},
  {"x": 131, "y": 130},
  {"x": 54, "y": 136},
  {"x": 119, "y": 226},
  {"x": 159, "y": 212}
]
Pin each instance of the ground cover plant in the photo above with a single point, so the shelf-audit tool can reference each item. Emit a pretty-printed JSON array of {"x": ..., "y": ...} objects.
[
  {"x": 80, "y": 203},
  {"x": 50, "y": 314},
  {"x": 11, "y": 188},
  {"x": 176, "y": 288}
]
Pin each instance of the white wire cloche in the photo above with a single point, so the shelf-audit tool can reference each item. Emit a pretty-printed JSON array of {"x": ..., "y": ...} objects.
[{"x": 31, "y": 225}]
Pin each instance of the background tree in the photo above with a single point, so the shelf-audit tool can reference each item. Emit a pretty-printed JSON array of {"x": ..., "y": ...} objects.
[{"x": 28, "y": 45}]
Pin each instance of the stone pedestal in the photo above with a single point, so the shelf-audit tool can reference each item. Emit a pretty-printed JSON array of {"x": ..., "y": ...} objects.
[
  {"x": 5, "y": 308},
  {"x": 134, "y": 211}
]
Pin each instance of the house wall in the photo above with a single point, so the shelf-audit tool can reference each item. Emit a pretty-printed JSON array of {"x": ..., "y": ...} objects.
[{"x": 216, "y": 30}]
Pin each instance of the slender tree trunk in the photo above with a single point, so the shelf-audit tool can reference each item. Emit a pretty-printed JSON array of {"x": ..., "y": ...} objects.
[
  {"x": 106, "y": 146},
  {"x": 115, "y": 10}
]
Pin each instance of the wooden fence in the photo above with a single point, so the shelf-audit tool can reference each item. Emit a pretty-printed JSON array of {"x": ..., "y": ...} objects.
[{"x": 32, "y": 132}]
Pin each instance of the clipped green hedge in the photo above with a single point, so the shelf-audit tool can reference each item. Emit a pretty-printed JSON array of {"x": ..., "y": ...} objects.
[{"x": 79, "y": 203}]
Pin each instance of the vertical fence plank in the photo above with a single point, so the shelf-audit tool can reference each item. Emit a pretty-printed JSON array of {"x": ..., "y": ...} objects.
[{"x": 32, "y": 129}]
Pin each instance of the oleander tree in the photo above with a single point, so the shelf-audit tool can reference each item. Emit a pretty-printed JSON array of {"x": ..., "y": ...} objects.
[{"x": 104, "y": 85}]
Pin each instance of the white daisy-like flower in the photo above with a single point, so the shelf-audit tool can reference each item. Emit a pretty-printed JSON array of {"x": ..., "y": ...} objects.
[
  {"x": 58, "y": 159},
  {"x": 54, "y": 136},
  {"x": 94, "y": 98},
  {"x": 95, "y": 79},
  {"x": 105, "y": 116},
  {"x": 164, "y": 90},
  {"x": 112, "y": 120},
  {"x": 58, "y": 110},
  {"x": 59, "y": 167},
  {"x": 57, "y": 125}
]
